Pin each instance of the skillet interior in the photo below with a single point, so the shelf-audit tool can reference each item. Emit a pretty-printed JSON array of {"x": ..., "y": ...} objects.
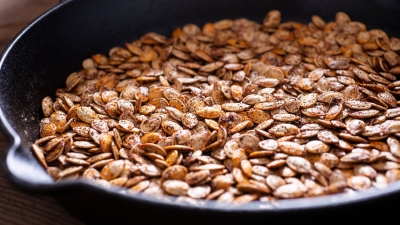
[{"x": 37, "y": 62}]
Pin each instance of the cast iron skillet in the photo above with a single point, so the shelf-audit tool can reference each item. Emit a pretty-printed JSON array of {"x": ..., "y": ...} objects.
[{"x": 41, "y": 56}]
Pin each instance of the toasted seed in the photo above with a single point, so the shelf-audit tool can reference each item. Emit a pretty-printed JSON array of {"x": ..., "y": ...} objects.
[
  {"x": 139, "y": 186},
  {"x": 99, "y": 157},
  {"x": 383, "y": 166},
  {"x": 394, "y": 146},
  {"x": 393, "y": 175},
  {"x": 352, "y": 138},
  {"x": 316, "y": 147},
  {"x": 281, "y": 130},
  {"x": 170, "y": 127},
  {"x": 292, "y": 104},
  {"x": 391, "y": 113},
  {"x": 365, "y": 170},
  {"x": 292, "y": 148},
  {"x": 199, "y": 191},
  {"x": 323, "y": 169},
  {"x": 268, "y": 144},
  {"x": 313, "y": 112},
  {"x": 194, "y": 178},
  {"x": 70, "y": 170},
  {"x": 209, "y": 112},
  {"x": 328, "y": 137},
  {"x": 387, "y": 98},
  {"x": 176, "y": 187},
  {"x": 153, "y": 148},
  {"x": 189, "y": 120},
  {"x": 298, "y": 164},
  {"x": 235, "y": 107},
  {"x": 209, "y": 167},
  {"x": 86, "y": 114},
  {"x": 149, "y": 170},
  {"x": 248, "y": 141},
  {"x": 253, "y": 187},
  {"x": 359, "y": 182},
  {"x": 39, "y": 154},
  {"x": 308, "y": 100},
  {"x": 364, "y": 114},
  {"x": 355, "y": 157},
  {"x": 268, "y": 105},
  {"x": 55, "y": 153},
  {"x": 175, "y": 172},
  {"x": 288, "y": 191},
  {"x": 112, "y": 170},
  {"x": 253, "y": 99},
  {"x": 285, "y": 117},
  {"x": 355, "y": 126}
]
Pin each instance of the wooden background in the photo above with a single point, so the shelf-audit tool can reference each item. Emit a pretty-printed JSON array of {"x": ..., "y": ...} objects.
[{"x": 18, "y": 207}]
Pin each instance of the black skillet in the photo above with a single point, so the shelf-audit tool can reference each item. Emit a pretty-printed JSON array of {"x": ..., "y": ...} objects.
[{"x": 42, "y": 55}]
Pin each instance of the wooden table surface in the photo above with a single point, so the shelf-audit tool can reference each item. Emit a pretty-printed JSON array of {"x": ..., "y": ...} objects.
[{"x": 17, "y": 207}]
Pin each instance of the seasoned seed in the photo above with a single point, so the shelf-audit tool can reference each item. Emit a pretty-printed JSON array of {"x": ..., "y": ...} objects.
[
  {"x": 268, "y": 144},
  {"x": 352, "y": 138},
  {"x": 355, "y": 157},
  {"x": 189, "y": 120},
  {"x": 150, "y": 125},
  {"x": 209, "y": 112},
  {"x": 149, "y": 170},
  {"x": 153, "y": 148},
  {"x": 235, "y": 107},
  {"x": 281, "y": 130},
  {"x": 308, "y": 100},
  {"x": 291, "y": 148},
  {"x": 268, "y": 105},
  {"x": 175, "y": 172},
  {"x": 328, "y": 137},
  {"x": 112, "y": 170},
  {"x": 248, "y": 141},
  {"x": 394, "y": 146},
  {"x": 288, "y": 191},
  {"x": 359, "y": 182},
  {"x": 285, "y": 117},
  {"x": 298, "y": 164},
  {"x": 316, "y": 147},
  {"x": 355, "y": 126},
  {"x": 292, "y": 104}
]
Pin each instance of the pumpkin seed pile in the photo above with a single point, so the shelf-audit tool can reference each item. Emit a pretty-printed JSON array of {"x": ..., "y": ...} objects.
[{"x": 234, "y": 111}]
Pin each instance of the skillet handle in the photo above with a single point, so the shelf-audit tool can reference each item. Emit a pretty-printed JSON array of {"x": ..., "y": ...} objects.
[{"x": 21, "y": 167}]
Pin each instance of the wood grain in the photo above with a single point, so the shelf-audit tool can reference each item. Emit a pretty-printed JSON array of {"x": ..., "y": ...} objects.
[
  {"x": 17, "y": 207},
  {"x": 16, "y": 14}
]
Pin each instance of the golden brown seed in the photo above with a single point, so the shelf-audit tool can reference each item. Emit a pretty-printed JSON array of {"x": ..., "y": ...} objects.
[
  {"x": 170, "y": 127},
  {"x": 176, "y": 187},
  {"x": 298, "y": 164},
  {"x": 291, "y": 148},
  {"x": 189, "y": 120},
  {"x": 235, "y": 107},
  {"x": 86, "y": 114},
  {"x": 268, "y": 144},
  {"x": 308, "y": 100},
  {"x": 292, "y": 104},
  {"x": 112, "y": 170},
  {"x": 285, "y": 129},
  {"x": 175, "y": 172},
  {"x": 316, "y": 147},
  {"x": 209, "y": 112}
]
